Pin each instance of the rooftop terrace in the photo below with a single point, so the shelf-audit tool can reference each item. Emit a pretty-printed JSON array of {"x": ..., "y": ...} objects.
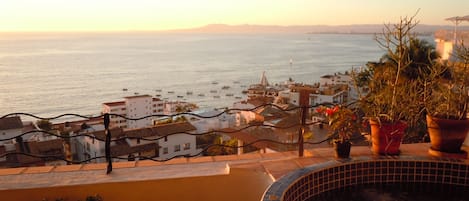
[{"x": 230, "y": 177}]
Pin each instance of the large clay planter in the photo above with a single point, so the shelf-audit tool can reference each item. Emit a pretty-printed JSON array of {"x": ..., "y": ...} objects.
[
  {"x": 342, "y": 149},
  {"x": 386, "y": 138},
  {"x": 447, "y": 135}
]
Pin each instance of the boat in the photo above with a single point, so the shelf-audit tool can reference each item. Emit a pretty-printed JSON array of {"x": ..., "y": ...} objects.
[
  {"x": 189, "y": 93},
  {"x": 170, "y": 92},
  {"x": 180, "y": 96},
  {"x": 158, "y": 90},
  {"x": 136, "y": 93},
  {"x": 238, "y": 97},
  {"x": 158, "y": 95},
  {"x": 229, "y": 94},
  {"x": 124, "y": 89},
  {"x": 216, "y": 96},
  {"x": 214, "y": 82},
  {"x": 225, "y": 87},
  {"x": 213, "y": 91},
  {"x": 201, "y": 95}
]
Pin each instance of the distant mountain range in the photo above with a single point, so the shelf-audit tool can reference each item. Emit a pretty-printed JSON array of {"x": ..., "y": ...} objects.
[{"x": 343, "y": 29}]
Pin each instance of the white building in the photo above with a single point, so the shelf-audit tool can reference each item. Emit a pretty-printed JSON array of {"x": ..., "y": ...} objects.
[
  {"x": 445, "y": 41},
  {"x": 35, "y": 143},
  {"x": 337, "y": 78},
  {"x": 161, "y": 142},
  {"x": 134, "y": 107},
  {"x": 215, "y": 123}
]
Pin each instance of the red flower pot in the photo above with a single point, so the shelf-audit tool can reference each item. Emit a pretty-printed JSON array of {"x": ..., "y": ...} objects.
[{"x": 386, "y": 137}]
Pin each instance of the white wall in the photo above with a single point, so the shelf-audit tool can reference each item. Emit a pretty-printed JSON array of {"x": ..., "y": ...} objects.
[
  {"x": 177, "y": 139},
  {"x": 137, "y": 107},
  {"x": 10, "y": 133}
]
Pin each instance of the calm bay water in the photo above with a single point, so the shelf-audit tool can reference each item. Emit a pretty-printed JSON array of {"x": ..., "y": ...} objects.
[{"x": 51, "y": 74}]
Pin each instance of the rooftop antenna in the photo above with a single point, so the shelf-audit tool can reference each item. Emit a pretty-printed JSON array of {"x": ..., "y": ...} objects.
[{"x": 457, "y": 20}]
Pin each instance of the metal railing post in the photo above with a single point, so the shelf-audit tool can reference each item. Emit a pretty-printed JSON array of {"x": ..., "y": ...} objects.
[
  {"x": 304, "y": 105},
  {"x": 107, "y": 145},
  {"x": 301, "y": 132}
]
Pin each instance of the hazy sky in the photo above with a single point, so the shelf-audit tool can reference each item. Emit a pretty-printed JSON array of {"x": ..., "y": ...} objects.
[{"x": 112, "y": 15}]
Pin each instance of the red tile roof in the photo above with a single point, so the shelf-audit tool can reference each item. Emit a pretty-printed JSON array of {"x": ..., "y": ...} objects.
[
  {"x": 160, "y": 130},
  {"x": 8, "y": 123},
  {"x": 114, "y": 103},
  {"x": 139, "y": 96}
]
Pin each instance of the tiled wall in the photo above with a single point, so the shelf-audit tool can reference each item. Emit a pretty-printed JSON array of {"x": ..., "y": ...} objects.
[{"x": 318, "y": 179}]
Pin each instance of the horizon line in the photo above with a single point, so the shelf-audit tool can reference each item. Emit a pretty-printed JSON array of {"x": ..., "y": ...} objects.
[{"x": 199, "y": 27}]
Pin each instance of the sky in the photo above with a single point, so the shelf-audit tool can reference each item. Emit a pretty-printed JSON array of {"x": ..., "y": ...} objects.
[{"x": 136, "y": 15}]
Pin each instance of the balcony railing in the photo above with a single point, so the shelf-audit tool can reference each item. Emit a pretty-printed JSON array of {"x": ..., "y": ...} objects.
[{"x": 300, "y": 112}]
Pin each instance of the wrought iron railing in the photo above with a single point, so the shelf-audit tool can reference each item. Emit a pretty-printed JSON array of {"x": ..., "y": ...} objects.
[{"x": 108, "y": 139}]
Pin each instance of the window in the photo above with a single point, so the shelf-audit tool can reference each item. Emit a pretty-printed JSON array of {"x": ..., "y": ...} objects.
[
  {"x": 177, "y": 148},
  {"x": 165, "y": 150},
  {"x": 187, "y": 146}
]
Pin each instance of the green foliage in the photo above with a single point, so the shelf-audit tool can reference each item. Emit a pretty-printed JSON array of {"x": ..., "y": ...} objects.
[
  {"x": 343, "y": 122},
  {"x": 94, "y": 198},
  {"x": 446, "y": 94},
  {"x": 399, "y": 83},
  {"x": 393, "y": 95},
  {"x": 44, "y": 124}
]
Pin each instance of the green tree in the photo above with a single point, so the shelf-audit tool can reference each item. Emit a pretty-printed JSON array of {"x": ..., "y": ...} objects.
[{"x": 44, "y": 124}]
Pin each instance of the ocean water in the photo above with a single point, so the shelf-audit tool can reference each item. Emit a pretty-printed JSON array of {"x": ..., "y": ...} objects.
[{"x": 52, "y": 74}]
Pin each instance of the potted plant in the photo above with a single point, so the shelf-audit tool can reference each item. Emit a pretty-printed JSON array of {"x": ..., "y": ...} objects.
[
  {"x": 343, "y": 124},
  {"x": 447, "y": 102},
  {"x": 390, "y": 103}
]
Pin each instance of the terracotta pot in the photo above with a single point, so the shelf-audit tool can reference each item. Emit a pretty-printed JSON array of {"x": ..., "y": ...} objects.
[
  {"x": 342, "y": 149},
  {"x": 386, "y": 138},
  {"x": 447, "y": 135}
]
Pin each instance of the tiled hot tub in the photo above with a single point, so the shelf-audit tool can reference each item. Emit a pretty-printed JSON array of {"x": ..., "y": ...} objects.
[{"x": 414, "y": 173}]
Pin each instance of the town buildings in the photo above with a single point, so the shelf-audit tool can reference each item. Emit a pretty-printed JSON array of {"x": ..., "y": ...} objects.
[
  {"x": 158, "y": 142},
  {"x": 24, "y": 137},
  {"x": 137, "y": 107},
  {"x": 447, "y": 40}
]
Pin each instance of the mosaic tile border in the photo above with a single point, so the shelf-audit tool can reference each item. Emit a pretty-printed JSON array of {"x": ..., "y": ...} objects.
[{"x": 315, "y": 180}]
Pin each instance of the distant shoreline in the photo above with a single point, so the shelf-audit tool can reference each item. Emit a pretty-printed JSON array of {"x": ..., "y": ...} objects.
[{"x": 260, "y": 29}]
